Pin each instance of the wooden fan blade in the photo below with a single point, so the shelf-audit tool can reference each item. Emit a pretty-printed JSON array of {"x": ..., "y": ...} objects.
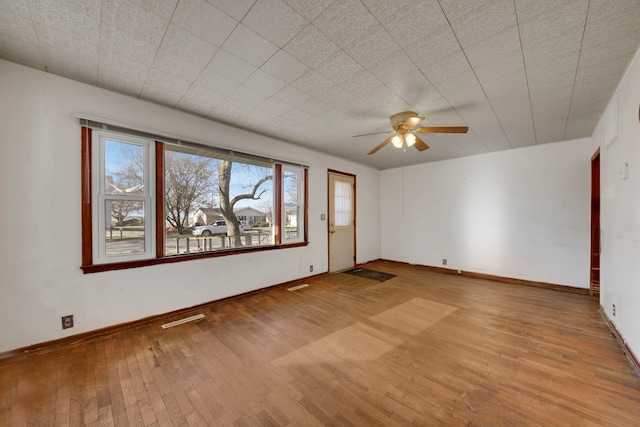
[
  {"x": 420, "y": 144},
  {"x": 444, "y": 129},
  {"x": 374, "y": 133},
  {"x": 382, "y": 144}
]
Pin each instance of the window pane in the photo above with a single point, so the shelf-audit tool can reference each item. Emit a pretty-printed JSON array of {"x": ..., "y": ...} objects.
[
  {"x": 200, "y": 188},
  {"x": 124, "y": 232},
  {"x": 293, "y": 204},
  {"x": 292, "y": 214},
  {"x": 290, "y": 183},
  {"x": 342, "y": 204},
  {"x": 124, "y": 168}
]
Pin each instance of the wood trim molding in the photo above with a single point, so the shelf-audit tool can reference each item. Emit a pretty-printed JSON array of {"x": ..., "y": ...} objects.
[
  {"x": 306, "y": 204},
  {"x": 100, "y": 268},
  {"x": 340, "y": 172},
  {"x": 87, "y": 225},
  {"x": 512, "y": 280},
  {"x": 160, "y": 217},
  {"x": 595, "y": 232},
  {"x": 583, "y": 291},
  {"x": 277, "y": 221},
  {"x": 633, "y": 360},
  {"x": 355, "y": 221}
]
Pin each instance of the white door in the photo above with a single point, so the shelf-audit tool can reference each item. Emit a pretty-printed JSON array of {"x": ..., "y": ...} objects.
[{"x": 342, "y": 221}]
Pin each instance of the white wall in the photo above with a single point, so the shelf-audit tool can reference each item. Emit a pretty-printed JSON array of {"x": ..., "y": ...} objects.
[
  {"x": 40, "y": 221},
  {"x": 620, "y": 212},
  {"x": 521, "y": 213}
]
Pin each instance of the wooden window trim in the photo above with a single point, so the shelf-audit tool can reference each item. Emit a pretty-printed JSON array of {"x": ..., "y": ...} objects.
[
  {"x": 97, "y": 268},
  {"x": 277, "y": 192},
  {"x": 306, "y": 205},
  {"x": 160, "y": 257},
  {"x": 160, "y": 220},
  {"x": 87, "y": 224}
]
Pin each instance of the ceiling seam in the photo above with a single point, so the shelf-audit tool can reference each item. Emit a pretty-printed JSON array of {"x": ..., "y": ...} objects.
[
  {"x": 526, "y": 75},
  {"x": 412, "y": 61},
  {"x": 357, "y": 62},
  {"x": 257, "y": 68},
  {"x": 35, "y": 30},
  {"x": 477, "y": 79},
  {"x": 158, "y": 49},
  {"x": 483, "y": 91},
  {"x": 295, "y": 80},
  {"x": 215, "y": 53},
  {"x": 313, "y": 69},
  {"x": 575, "y": 76}
]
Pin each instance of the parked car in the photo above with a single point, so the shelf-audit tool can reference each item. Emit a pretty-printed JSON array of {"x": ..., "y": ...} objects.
[{"x": 217, "y": 227}]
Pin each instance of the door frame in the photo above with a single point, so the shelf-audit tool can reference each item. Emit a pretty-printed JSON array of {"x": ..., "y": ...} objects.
[
  {"x": 595, "y": 248},
  {"x": 355, "y": 216}
]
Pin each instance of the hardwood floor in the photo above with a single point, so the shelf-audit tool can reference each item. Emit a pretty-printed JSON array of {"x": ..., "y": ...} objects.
[{"x": 423, "y": 348}]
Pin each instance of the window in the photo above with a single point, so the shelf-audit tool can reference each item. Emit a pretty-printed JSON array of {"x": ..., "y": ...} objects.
[
  {"x": 209, "y": 189},
  {"x": 123, "y": 208},
  {"x": 293, "y": 197},
  {"x": 148, "y": 202}
]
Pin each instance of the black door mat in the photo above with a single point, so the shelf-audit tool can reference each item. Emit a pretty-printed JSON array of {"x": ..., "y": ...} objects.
[{"x": 371, "y": 274}]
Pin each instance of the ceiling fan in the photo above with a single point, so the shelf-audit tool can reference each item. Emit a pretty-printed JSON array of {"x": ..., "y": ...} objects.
[{"x": 403, "y": 125}]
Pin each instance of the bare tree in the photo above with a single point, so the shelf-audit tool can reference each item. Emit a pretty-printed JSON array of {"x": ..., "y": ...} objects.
[
  {"x": 290, "y": 185},
  {"x": 127, "y": 179},
  {"x": 188, "y": 181},
  {"x": 120, "y": 210},
  {"x": 266, "y": 207},
  {"x": 227, "y": 202}
]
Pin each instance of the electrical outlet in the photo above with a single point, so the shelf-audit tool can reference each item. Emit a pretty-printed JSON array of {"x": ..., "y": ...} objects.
[
  {"x": 444, "y": 261},
  {"x": 311, "y": 269},
  {"x": 614, "y": 309},
  {"x": 67, "y": 321}
]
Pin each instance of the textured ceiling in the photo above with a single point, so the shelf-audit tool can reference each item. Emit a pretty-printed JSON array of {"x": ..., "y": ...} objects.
[{"x": 316, "y": 72}]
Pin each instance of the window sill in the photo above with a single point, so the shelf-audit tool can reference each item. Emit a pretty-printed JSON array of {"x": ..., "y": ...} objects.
[{"x": 99, "y": 268}]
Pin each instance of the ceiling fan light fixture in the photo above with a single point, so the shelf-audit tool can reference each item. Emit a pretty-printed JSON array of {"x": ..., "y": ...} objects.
[
  {"x": 397, "y": 141},
  {"x": 410, "y": 139}
]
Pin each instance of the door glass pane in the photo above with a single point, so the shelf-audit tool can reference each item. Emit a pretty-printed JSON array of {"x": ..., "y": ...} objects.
[
  {"x": 125, "y": 227},
  {"x": 124, "y": 168},
  {"x": 343, "y": 215}
]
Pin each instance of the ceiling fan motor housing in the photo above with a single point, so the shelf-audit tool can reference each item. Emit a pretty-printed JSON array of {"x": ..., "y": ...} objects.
[{"x": 405, "y": 120}]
